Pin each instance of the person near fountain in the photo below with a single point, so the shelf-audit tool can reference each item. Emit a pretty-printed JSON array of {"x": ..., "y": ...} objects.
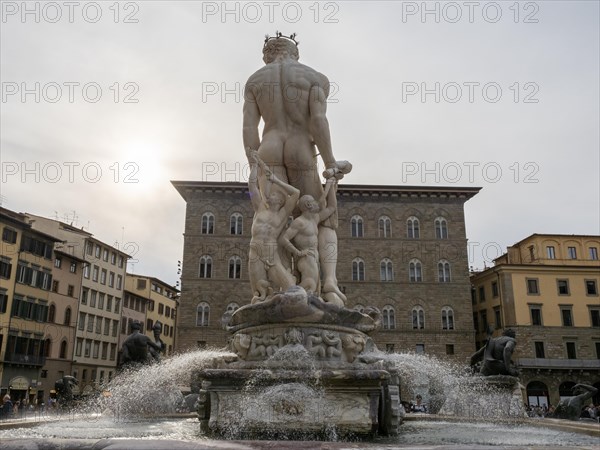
[
  {"x": 419, "y": 406},
  {"x": 571, "y": 408},
  {"x": 291, "y": 98},
  {"x": 495, "y": 356},
  {"x": 301, "y": 237},
  {"x": 271, "y": 213},
  {"x": 7, "y": 407},
  {"x": 136, "y": 346}
]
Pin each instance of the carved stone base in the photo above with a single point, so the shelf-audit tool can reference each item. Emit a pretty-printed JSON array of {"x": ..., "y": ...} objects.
[{"x": 239, "y": 403}]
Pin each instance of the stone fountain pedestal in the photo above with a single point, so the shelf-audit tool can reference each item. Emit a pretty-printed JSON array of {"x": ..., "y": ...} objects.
[{"x": 300, "y": 371}]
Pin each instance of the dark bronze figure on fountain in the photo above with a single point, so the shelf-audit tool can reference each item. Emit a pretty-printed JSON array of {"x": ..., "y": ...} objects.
[
  {"x": 570, "y": 408},
  {"x": 64, "y": 389},
  {"x": 495, "y": 356},
  {"x": 139, "y": 348}
]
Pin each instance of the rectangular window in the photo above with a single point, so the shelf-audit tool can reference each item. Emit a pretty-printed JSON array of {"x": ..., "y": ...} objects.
[
  {"x": 539, "y": 349},
  {"x": 113, "y": 258},
  {"x": 117, "y": 305},
  {"x": 81, "y": 323},
  {"x": 536, "y": 315},
  {"x": 101, "y": 296},
  {"x": 495, "y": 291},
  {"x": 58, "y": 262},
  {"x": 73, "y": 267},
  {"x": 96, "y": 349},
  {"x": 532, "y": 286},
  {"x": 567, "y": 316},
  {"x": 89, "y": 248},
  {"x": 161, "y": 308},
  {"x": 104, "y": 350},
  {"x": 103, "y": 276},
  {"x": 563, "y": 287},
  {"x": 5, "y": 268},
  {"x": 484, "y": 322},
  {"x": 389, "y": 348},
  {"x": 84, "y": 296},
  {"x": 595, "y": 317},
  {"x": 95, "y": 273},
  {"x": 111, "y": 279},
  {"x": 3, "y": 305},
  {"x": 109, "y": 300},
  {"x": 9, "y": 235},
  {"x": 476, "y": 322},
  {"x": 86, "y": 271},
  {"x": 550, "y": 253},
  {"x": 93, "y": 296},
  {"x": 90, "y": 327},
  {"x": 119, "y": 281},
  {"x": 571, "y": 350},
  {"x": 71, "y": 291},
  {"x": 98, "y": 251},
  {"x": 420, "y": 349},
  {"x": 87, "y": 349},
  {"x": 497, "y": 318},
  {"x": 591, "y": 287},
  {"x": 593, "y": 251},
  {"x": 481, "y": 294},
  {"x": 572, "y": 252},
  {"x": 99, "y": 325},
  {"x": 113, "y": 351},
  {"x": 115, "y": 328},
  {"x": 120, "y": 260},
  {"x": 78, "y": 346},
  {"x": 449, "y": 349}
]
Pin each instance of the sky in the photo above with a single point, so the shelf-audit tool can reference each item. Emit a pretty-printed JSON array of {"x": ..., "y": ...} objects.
[{"x": 103, "y": 103}]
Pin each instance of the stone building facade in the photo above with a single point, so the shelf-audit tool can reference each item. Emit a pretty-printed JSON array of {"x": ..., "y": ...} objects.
[
  {"x": 401, "y": 249},
  {"x": 546, "y": 288}
]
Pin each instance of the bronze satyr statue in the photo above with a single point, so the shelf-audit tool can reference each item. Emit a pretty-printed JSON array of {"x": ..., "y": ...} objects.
[
  {"x": 570, "y": 408},
  {"x": 495, "y": 356},
  {"x": 139, "y": 348}
]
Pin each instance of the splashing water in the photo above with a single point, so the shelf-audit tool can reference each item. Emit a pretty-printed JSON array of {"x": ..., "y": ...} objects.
[{"x": 154, "y": 390}]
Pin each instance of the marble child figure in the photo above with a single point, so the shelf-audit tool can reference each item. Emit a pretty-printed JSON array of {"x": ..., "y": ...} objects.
[{"x": 271, "y": 212}]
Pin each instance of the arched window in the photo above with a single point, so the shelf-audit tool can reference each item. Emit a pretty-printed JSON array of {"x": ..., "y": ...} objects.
[
  {"x": 444, "y": 271},
  {"x": 236, "y": 223},
  {"x": 415, "y": 271},
  {"x": 51, "y": 313},
  {"x": 441, "y": 228},
  {"x": 418, "y": 318},
  {"x": 67, "y": 320},
  {"x": 537, "y": 394},
  {"x": 389, "y": 318},
  {"x": 565, "y": 389},
  {"x": 357, "y": 226},
  {"x": 235, "y": 267},
  {"x": 47, "y": 347},
  {"x": 202, "y": 313},
  {"x": 208, "y": 223},
  {"x": 359, "y": 307},
  {"x": 63, "y": 349},
  {"x": 358, "y": 270},
  {"x": 231, "y": 307},
  {"x": 205, "y": 267},
  {"x": 447, "y": 318},
  {"x": 412, "y": 228},
  {"x": 385, "y": 227},
  {"x": 386, "y": 270}
]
